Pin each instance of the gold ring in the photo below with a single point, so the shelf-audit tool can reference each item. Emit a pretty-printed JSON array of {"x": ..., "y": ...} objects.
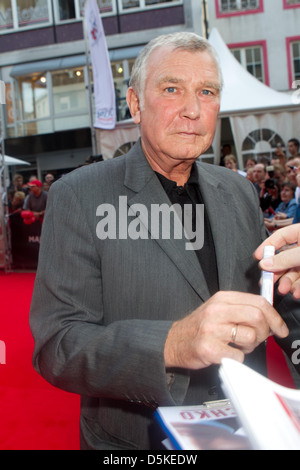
[{"x": 234, "y": 333}]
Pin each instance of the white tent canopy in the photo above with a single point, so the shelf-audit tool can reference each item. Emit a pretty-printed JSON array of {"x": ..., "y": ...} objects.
[
  {"x": 242, "y": 91},
  {"x": 260, "y": 117},
  {"x": 11, "y": 161}
]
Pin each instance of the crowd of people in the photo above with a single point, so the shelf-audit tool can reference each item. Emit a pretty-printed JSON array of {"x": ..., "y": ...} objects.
[
  {"x": 277, "y": 184},
  {"x": 30, "y": 196}
]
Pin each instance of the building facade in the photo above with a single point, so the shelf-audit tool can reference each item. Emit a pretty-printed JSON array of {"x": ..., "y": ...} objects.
[
  {"x": 43, "y": 62},
  {"x": 264, "y": 35},
  {"x": 44, "y": 65}
]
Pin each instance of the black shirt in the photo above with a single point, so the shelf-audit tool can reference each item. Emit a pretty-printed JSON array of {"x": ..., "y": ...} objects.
[{"x": 191, "y": 194}]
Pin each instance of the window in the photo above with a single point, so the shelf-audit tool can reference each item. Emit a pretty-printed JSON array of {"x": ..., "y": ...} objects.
[
  {"x": 34, "y": 97},
  {"x": 17, "y": 14},
  {"x": 74, "y": 9},
  {"x": 68, "y": 91},
  {"x": 21, "y": 13},
  {"x": 121, "y": 73},
  {"x": 6, "y": 19},
  {"x": 293, "y": 55},
  {"x": 291, "y": 3},
  {"x": 53, "y": 100},
  {"x": 296, "y": 59},
  {"x": 261, "y": 145},
  {"x": 238, "y": 7},
  {"x": 33, "y": 104},
  {"x": 129, "y": 4},
  {"x": 32, "y": 12},
  {"x": 252, "y": 59}
]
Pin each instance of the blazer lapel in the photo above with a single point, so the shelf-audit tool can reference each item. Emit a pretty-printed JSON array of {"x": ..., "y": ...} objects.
[
  {"x": 140, "y": 178},
  {"x": 219, "y": 204}
]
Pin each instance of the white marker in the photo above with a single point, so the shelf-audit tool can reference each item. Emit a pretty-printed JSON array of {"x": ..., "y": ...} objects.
[{"x": 267, "y": 283}]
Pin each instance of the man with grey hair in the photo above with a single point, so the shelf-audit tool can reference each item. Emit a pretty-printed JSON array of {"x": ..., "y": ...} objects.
[{"x": 131, "y": 318}]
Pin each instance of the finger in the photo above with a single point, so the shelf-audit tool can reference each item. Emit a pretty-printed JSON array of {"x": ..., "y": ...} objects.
[
  {"x": 284, "y": 236},
  {"x": 254, "y": 310},
  {"x": 249, "y": 310},
  {"x": 247, "y": 338},
  {"x": 296, "y": 290},
  {"x": 290, "y": 282},
  {"x": 282, "y": 261}
]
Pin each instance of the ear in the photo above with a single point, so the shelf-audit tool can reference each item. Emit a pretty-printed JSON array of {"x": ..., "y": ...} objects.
[{"x": 134, "y": 105}]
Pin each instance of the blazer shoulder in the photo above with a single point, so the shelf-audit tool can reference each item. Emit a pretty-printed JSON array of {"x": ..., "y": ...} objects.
[
  {"x": 227, "y": 179},
  {"x": 95, "y": 173},
  {"x": 222, "y": 174}
]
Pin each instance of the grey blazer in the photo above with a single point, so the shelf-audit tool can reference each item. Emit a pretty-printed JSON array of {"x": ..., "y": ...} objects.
[{"x": 102, "y": 308}]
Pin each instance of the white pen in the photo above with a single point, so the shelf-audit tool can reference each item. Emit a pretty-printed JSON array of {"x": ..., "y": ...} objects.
[{"x": 267, "y": 282}]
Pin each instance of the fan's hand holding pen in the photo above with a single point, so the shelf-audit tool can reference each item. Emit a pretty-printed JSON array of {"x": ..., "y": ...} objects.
[{"x": 286, "y": 264}]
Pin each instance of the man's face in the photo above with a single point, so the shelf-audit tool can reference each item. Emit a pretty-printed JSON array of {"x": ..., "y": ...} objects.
[
  {"x": 35, "y": 190},
  {"x": 181, "y": 105},
  {"x": 293, "y": 149},
  {"x": 259, "y": 173}
]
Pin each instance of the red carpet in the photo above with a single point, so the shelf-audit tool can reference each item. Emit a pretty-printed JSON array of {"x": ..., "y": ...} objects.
[
  {"x": 34, "y": 415},
  {"x": 278, "y": 370}
]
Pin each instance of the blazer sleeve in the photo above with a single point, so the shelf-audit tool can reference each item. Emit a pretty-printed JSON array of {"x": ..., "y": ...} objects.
[{"x": 75, "y": 349}]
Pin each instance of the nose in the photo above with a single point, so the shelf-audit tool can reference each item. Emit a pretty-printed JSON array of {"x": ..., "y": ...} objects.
[{"x": 191, "y": 107}]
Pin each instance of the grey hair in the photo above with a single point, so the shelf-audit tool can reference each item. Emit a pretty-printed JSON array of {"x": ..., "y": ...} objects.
[{"x": 186, "y": 41}]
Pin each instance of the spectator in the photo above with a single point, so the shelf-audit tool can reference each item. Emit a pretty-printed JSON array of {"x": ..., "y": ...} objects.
[
  {"x": 249, "y": 174},
  {"x": 292, "y": 166},
  {"x": 270, "y": 197},
  {"x": 286, "y": 210},
  {"x": 279, "y": 156},
  {"x": 36, "y": 200},
  {"x": 17, "y": 201},
  {"x": 226, "y": 150},
  {"x": 231, "y": 164},
  {"x": 49, "y": 178},
  {"x": 279, "y": 174},
  {"x": 250, "y": 163},
  {"x": 18, "y": 183},
  {"x": 293, "y": 147},
  {"x": 259, "y": 177}
]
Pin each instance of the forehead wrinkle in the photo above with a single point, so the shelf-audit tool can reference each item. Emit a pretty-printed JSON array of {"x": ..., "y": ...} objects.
[{"x": 169, "y": 79}]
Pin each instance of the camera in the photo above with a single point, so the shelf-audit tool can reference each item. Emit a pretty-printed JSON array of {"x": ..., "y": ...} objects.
[{"x": 271, "y": 183}]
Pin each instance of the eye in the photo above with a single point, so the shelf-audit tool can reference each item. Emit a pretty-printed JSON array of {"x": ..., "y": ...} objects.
[
  {"x": 207, "y": 92},
  {"x": 171, "y": 89}
]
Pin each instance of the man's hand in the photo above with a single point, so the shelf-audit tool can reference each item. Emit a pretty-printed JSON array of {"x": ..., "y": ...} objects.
[
  {"x": 285, "y": 265},
  {"x": 229, "y": 324}
]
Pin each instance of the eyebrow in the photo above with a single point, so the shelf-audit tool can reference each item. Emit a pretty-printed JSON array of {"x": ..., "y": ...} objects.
[{"x": 214, "y": 85}]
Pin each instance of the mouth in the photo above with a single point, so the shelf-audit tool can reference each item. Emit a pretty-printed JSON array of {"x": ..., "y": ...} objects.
[{"x": 189, "y": 134}]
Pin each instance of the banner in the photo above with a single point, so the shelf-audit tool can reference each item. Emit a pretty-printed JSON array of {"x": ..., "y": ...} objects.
[
  {"x": 25, "y": 242},
  {"x": 104, "y": 90}
]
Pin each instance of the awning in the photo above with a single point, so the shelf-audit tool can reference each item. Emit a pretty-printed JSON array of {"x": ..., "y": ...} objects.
[{"x": 22, "y": 70}]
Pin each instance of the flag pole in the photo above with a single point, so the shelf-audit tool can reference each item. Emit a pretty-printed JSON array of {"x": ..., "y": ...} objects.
[
  {"x": 4, "y": 216},
  {"x": 103, "y": 90},
  {"x": 90, "y": 93}
]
